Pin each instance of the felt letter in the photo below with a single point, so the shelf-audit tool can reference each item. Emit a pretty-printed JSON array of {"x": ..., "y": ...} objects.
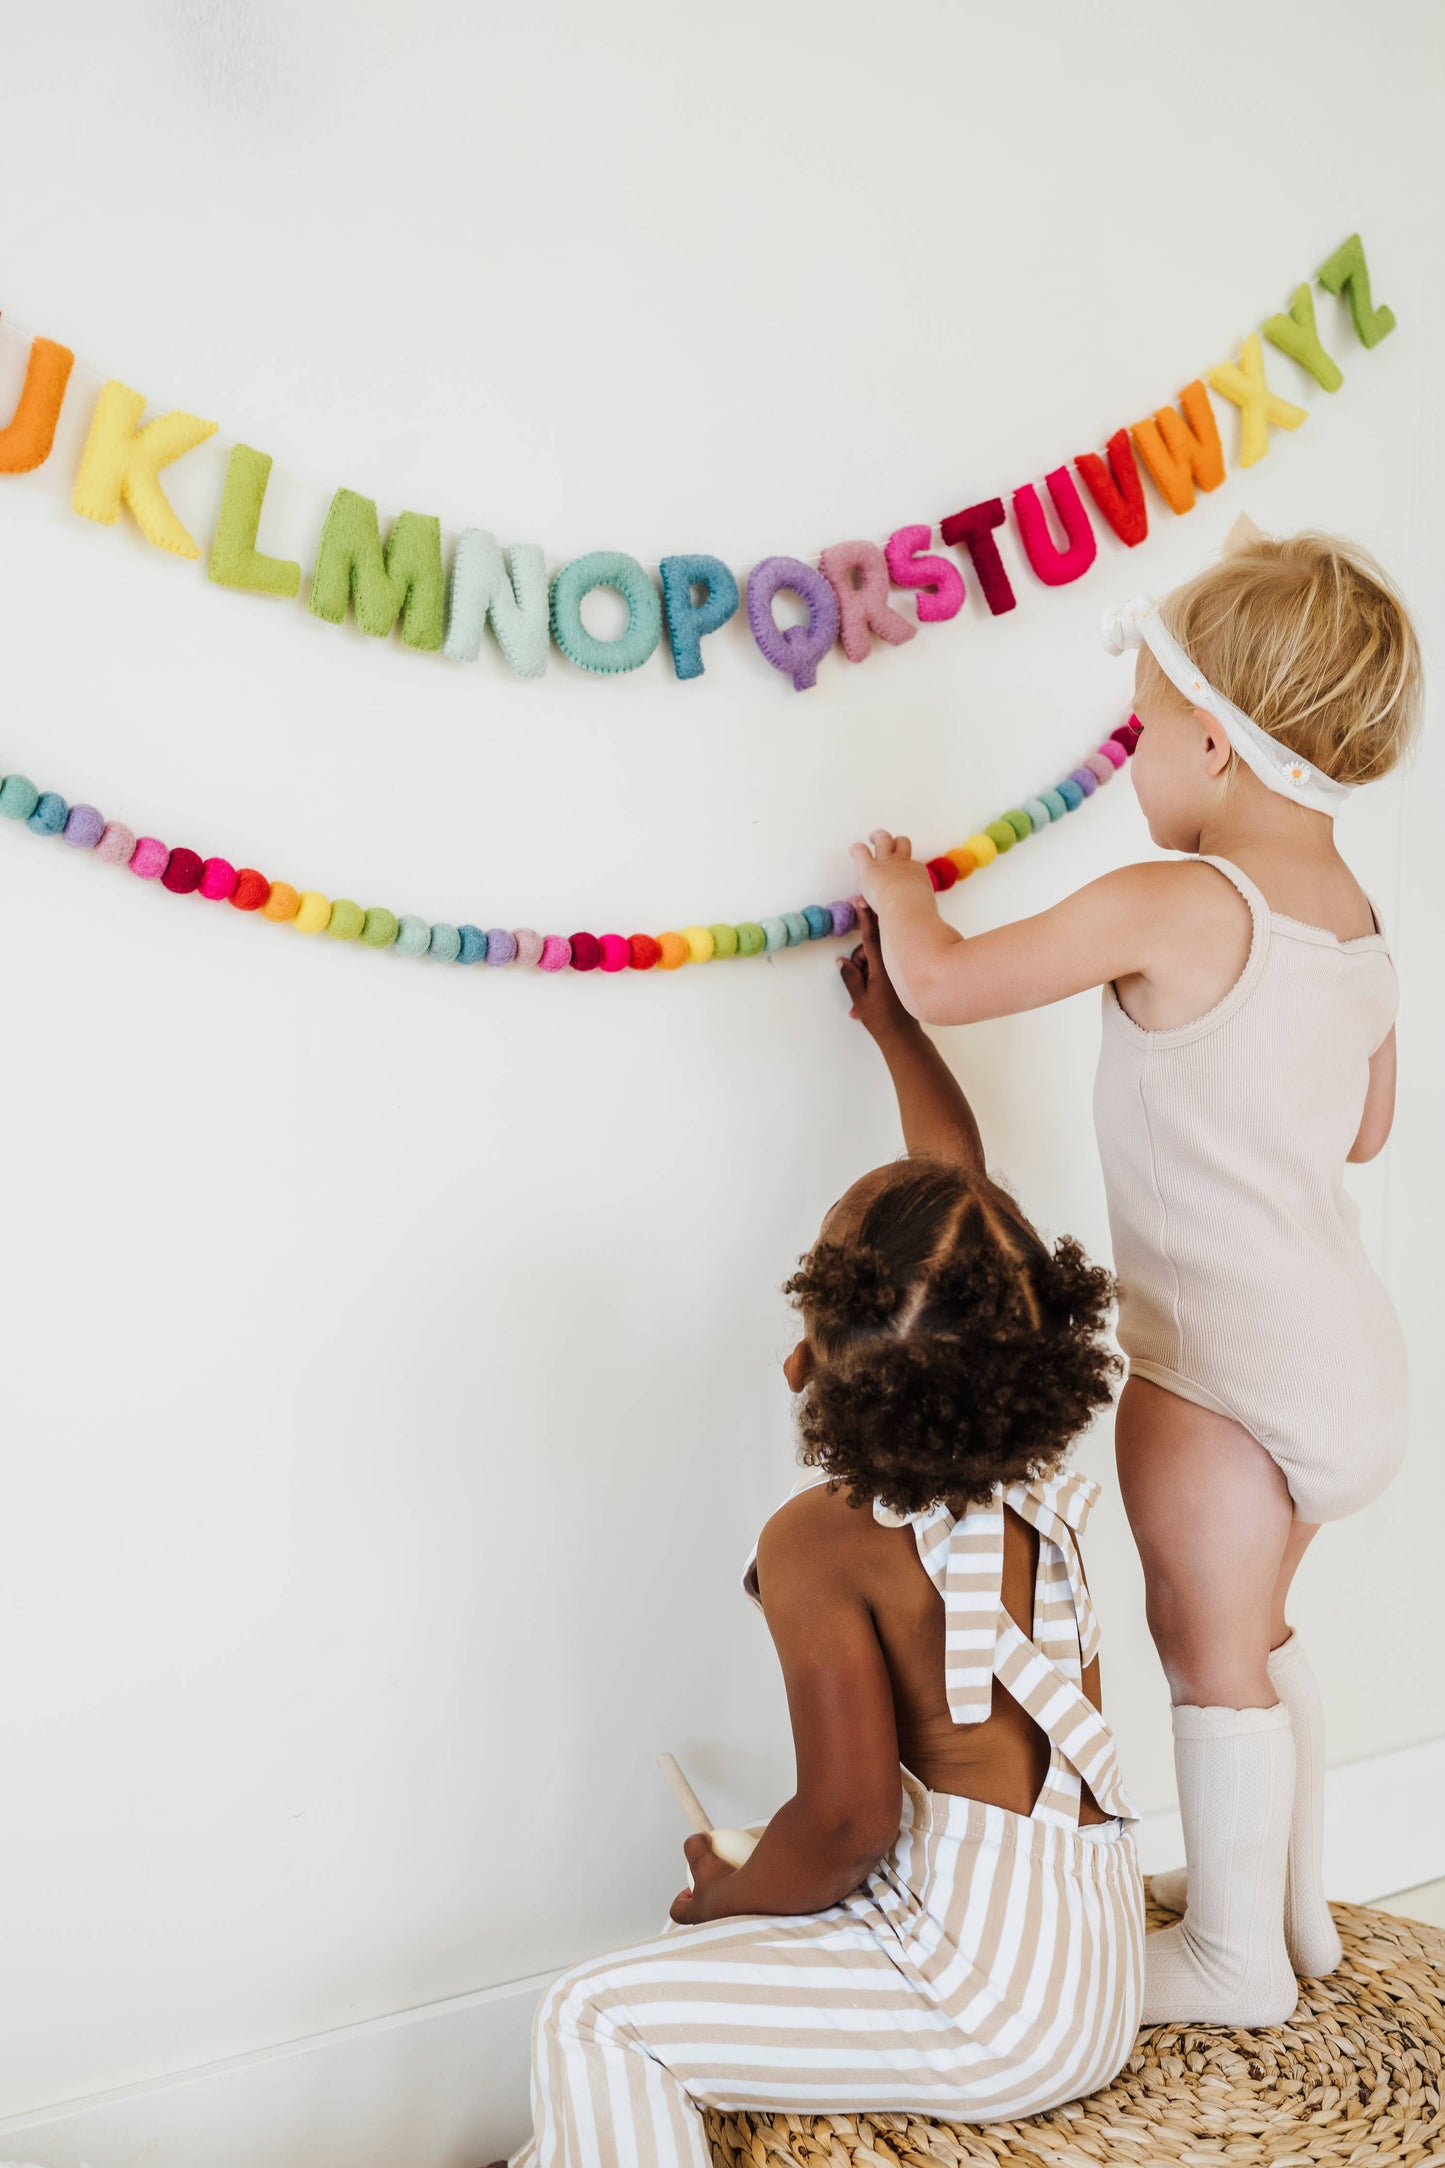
[
  {"x": 1117, "y": 489},
  {"x": 1180, "y": 453},
  {"x": 857, "y": 572},
  {"x": 404, "y": 580},
  {"x": 26, "y": 439},
  {"x": 510, "y": 594},
  {"x": 974, "y": 528},
  {"x": 797, "y": 651},
  {"x": 121, "y": 463},
  {"x": 1296, "y": 336},
  {"x": 1055, "y": 567},
  {"x": 939, "y": 583},
  {"x": 606, "y": 568},
  {"x": 687, "y": 621},
  {"x": 235, "y": 559},
  {"x": 1258, "y": 406},
  {"x": 1346, "y": 270}
]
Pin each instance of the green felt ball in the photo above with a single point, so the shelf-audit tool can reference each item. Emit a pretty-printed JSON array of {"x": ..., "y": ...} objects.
[
  {"x": 347, "y": 920},
  {"x": 18, "y": 797}
]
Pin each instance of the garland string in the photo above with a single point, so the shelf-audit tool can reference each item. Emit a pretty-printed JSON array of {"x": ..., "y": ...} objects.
[{"x": 184, "y": 872}]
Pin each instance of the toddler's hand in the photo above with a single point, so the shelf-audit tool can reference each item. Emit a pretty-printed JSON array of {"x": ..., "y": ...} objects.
[
  {"x": 887, "y": 869},
  {"x": 689, "y": 1906},
  {"x": 875, "y": 1000}
]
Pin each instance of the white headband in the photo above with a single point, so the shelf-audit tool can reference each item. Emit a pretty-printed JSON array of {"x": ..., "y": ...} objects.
[{"x": 1276, "y": 766}]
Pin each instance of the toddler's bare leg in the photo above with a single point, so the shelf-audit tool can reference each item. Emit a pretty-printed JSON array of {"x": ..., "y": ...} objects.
[{"x": 1212, "y": 1516}]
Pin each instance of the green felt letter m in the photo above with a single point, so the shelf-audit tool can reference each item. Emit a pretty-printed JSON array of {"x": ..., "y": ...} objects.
[{"x": 402, "y": 580}]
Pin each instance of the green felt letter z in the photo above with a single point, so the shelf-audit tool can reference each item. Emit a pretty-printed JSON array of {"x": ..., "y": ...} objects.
[
  {"x": 235, "y": 559},
  {"x": 1296, "y": 336},
  {"x": 405, "y": 580},
  {"x": 1346, "y": 271}
]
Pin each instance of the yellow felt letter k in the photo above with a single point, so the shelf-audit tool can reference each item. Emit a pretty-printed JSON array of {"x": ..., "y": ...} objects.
[
  {"x": 1258, "y": 406},
  {"x": 121, "y": 463}
]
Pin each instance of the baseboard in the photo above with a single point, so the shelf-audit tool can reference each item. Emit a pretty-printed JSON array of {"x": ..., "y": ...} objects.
[
  {"x": 442, "y": 2086},
  {"x": 445, "y": 2086},
  {"x": 1383, "y": 1827}
]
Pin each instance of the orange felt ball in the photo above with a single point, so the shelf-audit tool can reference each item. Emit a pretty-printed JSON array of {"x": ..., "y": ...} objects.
[
  {"x": 282, "y": 903},
  {"x": 964, "y": 859},
  {"x": 673, "y": 951}
]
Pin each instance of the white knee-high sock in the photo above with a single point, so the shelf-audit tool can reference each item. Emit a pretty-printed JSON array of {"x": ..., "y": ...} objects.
[
  {"x": 1309, "y": 1932},
  {"x": 1225, "y": 1963}
]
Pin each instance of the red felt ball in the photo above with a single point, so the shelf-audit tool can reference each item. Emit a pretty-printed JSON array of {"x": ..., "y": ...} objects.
[
  {"x": 644, "y": 951},
  {"x": 251, "y": 889},
  {"x": 183, "y": 872},
  {"x": 586, "y": 952},
  {"x": 942, "y": 872},
  {"x": 1128, "y": 734}
]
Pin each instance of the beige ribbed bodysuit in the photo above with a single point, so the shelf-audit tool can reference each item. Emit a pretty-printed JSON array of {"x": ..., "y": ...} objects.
[{"x": 1243, "y": 1282}]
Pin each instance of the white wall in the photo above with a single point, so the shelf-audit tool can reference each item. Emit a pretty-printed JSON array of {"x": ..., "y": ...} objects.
[{"x": 389, "y": 1351}]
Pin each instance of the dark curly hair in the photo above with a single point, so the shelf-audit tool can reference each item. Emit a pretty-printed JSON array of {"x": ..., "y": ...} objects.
[{"x": 952, "y": 1351}]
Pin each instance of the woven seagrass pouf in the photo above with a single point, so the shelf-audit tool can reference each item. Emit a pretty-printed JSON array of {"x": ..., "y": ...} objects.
[{"x": 1357, "y": 2076}]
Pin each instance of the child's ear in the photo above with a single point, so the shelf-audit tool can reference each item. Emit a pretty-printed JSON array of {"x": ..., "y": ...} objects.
[
  {"x": 1218, "y": 752},
  {"x": 1241, "y": 536}
]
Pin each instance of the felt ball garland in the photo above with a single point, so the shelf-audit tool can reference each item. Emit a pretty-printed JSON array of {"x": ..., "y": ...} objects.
[{"x": 184, "y": 872}]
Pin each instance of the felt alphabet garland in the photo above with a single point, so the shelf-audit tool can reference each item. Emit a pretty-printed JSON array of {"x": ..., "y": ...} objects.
[
  {"x": 399, "y": 582},
  {"x": 184, "y": 872}
]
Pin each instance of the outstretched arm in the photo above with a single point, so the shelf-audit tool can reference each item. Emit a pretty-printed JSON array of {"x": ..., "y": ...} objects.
[
  {"x": 937, "y": 1119},
  {"x": 1112, "y": 929}
]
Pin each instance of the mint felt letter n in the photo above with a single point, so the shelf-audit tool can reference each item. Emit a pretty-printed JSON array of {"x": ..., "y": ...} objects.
[
  {"x": 402, "y": 580},
  {"x": 511, "y": 595},
  {"x": 235, "y": 559}
]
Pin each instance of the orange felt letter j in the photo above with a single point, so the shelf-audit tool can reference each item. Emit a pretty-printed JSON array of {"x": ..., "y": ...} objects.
[{"x": 26, "y": 439}]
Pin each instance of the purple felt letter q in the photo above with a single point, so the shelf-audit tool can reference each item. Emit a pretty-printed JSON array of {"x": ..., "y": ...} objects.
[{"x": 798, "y": 651}]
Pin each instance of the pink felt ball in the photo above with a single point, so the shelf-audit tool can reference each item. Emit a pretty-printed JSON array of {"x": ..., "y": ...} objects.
[
  {"x": 116, "y": 844},
  {"x": 615, "y": 952},
  {"x": 150, "y": 858},
  {"x": 529, "y": 946},
  {"x": 1103, "y": 769},
  {"x": 556, "y": 953},
  {"x": 1113, "y": 752},
  {"x": 218, "y": 879}
]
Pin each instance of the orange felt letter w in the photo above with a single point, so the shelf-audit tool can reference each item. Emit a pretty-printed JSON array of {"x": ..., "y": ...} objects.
[
  {"x": 26, "y": 440},
  {"x": 1180, "y": 453}
]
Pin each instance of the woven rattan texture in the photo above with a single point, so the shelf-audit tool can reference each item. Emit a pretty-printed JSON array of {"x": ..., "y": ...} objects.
[{"x": 1355, "y": 2077}]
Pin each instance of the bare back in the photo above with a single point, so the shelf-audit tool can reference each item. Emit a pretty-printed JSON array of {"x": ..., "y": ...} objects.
[{"x": 1001, "y": 1761}]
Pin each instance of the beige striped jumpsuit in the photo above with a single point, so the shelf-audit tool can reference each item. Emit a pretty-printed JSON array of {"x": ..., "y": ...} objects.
[{"x": 989, "y": 1966}]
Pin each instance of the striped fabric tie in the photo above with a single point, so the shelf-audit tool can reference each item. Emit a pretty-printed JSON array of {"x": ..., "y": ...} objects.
[{"x": 964, "y": 1559}]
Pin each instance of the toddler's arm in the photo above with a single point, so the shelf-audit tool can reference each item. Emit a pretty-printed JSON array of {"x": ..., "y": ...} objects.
[
  {"x": 938, "y": 1121},
  {"x": 1112, "y": 929},
  {"x": 1378, "y": 1117}
]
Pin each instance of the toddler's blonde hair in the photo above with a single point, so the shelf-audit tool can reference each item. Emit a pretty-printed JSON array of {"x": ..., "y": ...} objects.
[{"x": 1310, "y": 638}]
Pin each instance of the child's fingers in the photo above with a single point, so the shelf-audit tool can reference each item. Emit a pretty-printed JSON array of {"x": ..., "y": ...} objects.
[
  {"x": 862, "y": 858},
  {"x": 871, "y": 944},
  {"x": 886, "y": 845},
  {"x": 853, "y": 980}
]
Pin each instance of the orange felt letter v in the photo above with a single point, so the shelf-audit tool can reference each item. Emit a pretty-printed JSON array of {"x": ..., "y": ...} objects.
[{"x": 26, "y": 439}]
